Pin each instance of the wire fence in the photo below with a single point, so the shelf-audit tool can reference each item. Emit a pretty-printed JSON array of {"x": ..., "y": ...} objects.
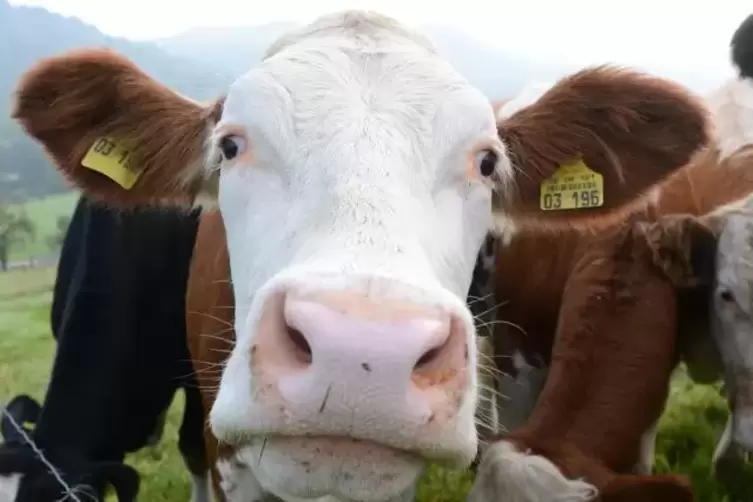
[{"x": 68, "y": 493}]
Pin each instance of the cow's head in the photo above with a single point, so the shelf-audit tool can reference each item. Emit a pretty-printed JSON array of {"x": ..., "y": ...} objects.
[
  {"x": 354, "y": 171},
  {"x": 29, "y": 474},
  {"x": 712, "y": 255}
]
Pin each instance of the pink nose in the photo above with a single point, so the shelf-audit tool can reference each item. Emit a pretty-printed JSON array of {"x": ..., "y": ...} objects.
[{"x": 394, "y": 358}]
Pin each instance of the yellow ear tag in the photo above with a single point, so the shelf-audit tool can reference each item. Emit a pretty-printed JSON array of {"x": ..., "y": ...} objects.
[
  {"x": 112, "y": 159},
  {"x": 573, "y": 186},
  {"x": 29, "y": 425}
]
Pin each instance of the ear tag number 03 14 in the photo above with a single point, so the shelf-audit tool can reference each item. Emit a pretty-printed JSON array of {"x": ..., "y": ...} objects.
[
  {"x": 109, "y": 157},
  {"x": 573, "y": 186}
]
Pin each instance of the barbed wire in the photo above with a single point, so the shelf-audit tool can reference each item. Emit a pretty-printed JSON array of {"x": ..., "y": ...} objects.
[{"x": 67, "y": 492}]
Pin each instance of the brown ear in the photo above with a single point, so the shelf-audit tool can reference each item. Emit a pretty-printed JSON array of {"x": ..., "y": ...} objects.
[
  {"x": 683, "y": 247},
  {"x": 141, "y": 129},
  {"x": 628, "y": 127}
]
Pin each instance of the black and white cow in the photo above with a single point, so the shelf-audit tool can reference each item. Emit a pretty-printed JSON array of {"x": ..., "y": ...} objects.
[{"x": 118, "y": 315}]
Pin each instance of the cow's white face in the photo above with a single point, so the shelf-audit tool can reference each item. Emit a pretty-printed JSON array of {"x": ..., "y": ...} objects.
[{"x": 354, "y": 206}]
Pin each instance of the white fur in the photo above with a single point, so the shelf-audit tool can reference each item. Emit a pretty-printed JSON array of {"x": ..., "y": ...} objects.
[
  {"x": 731, "y": 107},
  {"x": 9, "y": 486},
  {"x": 504, "y": 229},
  {"x": 528, "y": 96},
  {"x": 357, "y": 180},
  {"x": 200, "y": 490},
  {"x": 510, "y": 475},
  {"x": 237, "y": 480},
  {"x": 239, "y": 484}
]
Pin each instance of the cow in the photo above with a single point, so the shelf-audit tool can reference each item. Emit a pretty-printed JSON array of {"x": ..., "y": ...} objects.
[
  {"x": 729, "y": 324},
  {"x": 348, "y": 182},
  {"x": 606, "y": 314},
  {"x": 708, "y": 257},
  {"x": 118, "y": 317}
]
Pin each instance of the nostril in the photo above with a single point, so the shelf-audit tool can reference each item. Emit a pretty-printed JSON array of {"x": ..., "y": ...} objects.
[
  {"x": 427, "y": 358},
  {"x": 446, "y": 356},
  {"x": 301, "y": 345}
]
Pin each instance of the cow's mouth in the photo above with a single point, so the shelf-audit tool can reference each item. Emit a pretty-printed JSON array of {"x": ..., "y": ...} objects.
[
  {"x": 347, "y": 468},
  {"x": 336, "y": 446}
]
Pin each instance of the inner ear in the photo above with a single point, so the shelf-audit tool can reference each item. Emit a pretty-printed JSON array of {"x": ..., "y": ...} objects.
[
  {"x": 703, "y": 253},
  {"x": 684, "y": 248}
]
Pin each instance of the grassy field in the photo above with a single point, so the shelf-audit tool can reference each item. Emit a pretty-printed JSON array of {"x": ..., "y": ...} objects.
[
  {"x": 688, "y": 429},
  {"x": 44, "y": 213}
]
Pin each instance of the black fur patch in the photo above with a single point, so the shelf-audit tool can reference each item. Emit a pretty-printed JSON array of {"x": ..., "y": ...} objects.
[{"x": 742, "y": 48}]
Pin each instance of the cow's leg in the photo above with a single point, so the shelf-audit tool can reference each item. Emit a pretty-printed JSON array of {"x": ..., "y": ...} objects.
[
  {"x": 192, "y": 447},
  {"x": 729, "y": 460},
  {"x": 156, "y": 436},
  {"x": 510, "y": 474},
  {"x": 645, "y": 465},
  {"x": 724, "y": 446},
  {"x": 518, "y": 395}
]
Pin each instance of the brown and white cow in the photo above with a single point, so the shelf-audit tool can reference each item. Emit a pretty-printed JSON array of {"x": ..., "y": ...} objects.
[
  {"x": 353, "y": 170},
  {"x": 608, "y": 312}
]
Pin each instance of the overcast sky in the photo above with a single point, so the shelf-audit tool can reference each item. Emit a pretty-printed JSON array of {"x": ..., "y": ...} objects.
[{"x": 682, "y": 34}]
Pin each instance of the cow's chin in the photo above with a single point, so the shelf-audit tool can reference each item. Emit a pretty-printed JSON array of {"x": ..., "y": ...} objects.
[{"x": 308, "y": 468}]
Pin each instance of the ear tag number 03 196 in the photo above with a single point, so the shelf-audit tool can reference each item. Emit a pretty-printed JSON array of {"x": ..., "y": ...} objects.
[
  {"x": 573, "y": 186},
  {"x": 109, "y": 157}
]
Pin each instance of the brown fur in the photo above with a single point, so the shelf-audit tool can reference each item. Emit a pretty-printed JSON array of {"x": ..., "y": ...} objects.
[
  {"x": 534, "y": 293},
  {"x": 210, "y": 310},
  {"x": 631, "y": 128},
  {"x": 66, "y": 102},
  {"x": 614, "y": 118},
  {"x": 609, "y": 367},
  {"x": 552, "y": 321},
  {"x": 617, "y": 121},
  {"x": 706, "y": 184}
]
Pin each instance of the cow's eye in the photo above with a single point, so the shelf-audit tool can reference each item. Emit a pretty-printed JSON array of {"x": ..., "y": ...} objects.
[
  {"x": 726, "y": 295},
  {"x": 232, "y": 145},
  {"x": 486, "y": 162}
]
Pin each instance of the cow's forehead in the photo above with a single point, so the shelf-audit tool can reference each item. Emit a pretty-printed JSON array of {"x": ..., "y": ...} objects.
[
  {"x": 361, "y": 27},
  {"x": 368, "y": 71}
]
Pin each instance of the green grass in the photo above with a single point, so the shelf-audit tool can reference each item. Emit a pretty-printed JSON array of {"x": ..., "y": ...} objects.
[
  {"x": 688, "y": 430},
  {"x": 44, "y": 213}
]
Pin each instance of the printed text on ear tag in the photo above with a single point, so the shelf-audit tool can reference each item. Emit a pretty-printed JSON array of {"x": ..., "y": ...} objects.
[
  {"x": 109, "y": 157},
  {"x": 573, "y": 186}
]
